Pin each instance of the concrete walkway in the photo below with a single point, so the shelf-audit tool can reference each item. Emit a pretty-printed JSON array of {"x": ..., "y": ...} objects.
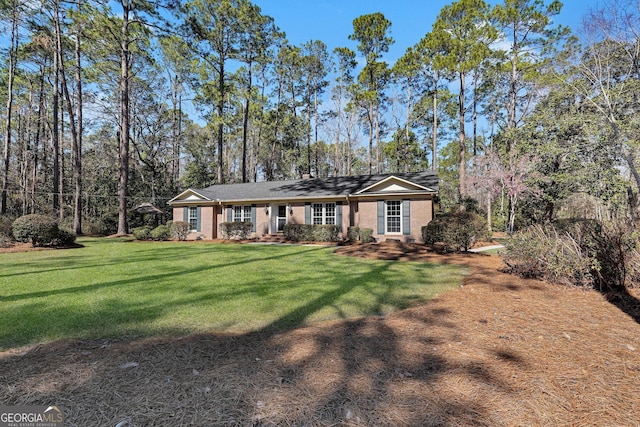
[{"x": 486, "y": 248}]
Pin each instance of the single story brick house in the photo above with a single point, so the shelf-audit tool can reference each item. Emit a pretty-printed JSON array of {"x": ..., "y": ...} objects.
[{"x": 395, "y": 206}]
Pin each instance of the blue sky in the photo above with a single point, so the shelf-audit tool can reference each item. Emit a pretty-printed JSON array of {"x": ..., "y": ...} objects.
[{"x": 331, "y": 20}]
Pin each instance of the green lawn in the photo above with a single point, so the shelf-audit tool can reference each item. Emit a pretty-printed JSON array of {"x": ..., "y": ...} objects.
[{"x": 119, "y": 289}]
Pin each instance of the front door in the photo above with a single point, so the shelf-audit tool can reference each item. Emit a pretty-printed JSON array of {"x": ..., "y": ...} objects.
[{"x": 282, "y": 217}]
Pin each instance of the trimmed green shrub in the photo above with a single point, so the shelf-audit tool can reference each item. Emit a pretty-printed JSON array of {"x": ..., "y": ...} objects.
[
  {"x": 236, "y": 230},
  {"x": 180, "y": 230},
  {"x": 142, "y": 233},
  {"x": 457, "y": 231},
  {"x": 366, "y": 235},
  {"x": 161, "y": 232},
  {"x": 311, "y": 233},
  {"x": 353, "y": 234},
  {"x": 40, "y": 230},
  {"x": 326, "y": 233},
  {"x": 298, "y": 232},
  {"x": 64, "y": 238}
]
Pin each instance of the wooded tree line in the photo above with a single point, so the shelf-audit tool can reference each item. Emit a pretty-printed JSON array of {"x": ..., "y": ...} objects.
[{"x": 113, "y": 103}]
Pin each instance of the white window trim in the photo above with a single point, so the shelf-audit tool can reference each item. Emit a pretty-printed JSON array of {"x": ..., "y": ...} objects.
[
  {"x": 323, "y": 218},
  {"x": 245, "y": 213},
  {"x": 193, "y": 216},
  {"x": 386, "y": 216}
]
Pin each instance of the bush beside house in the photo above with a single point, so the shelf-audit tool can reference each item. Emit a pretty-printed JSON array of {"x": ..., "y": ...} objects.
[
  {"x": 456, "y": 231},
  {"x": 311, "y": 233},
  {"x": 142, "y": 233},
  {"x": 236, "y": 230},
  {"x": 364, "y": 235},
  {"x": 160, "y": 233},
  {"x": 180, "y": 230}
]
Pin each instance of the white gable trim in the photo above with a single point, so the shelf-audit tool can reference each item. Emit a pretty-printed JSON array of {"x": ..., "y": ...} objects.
[
  {"x": 189, "y": 195},
  {"x": 395, "y": 187}
]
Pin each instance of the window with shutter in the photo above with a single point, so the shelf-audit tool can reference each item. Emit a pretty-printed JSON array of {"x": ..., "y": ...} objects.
[
  {"x": 193, "y": 218},
  {"x": 393, "y": 219},
  {"x": 323, "y": 213}
]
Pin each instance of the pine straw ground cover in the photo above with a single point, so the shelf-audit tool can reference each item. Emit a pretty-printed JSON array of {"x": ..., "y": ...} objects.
[{"x": 499, "y": 351}]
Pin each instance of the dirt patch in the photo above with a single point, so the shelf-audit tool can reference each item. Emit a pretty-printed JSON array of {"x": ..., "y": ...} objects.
[
  {"x": 22, "y": 247},
  {"x": 498, "y": 351}
]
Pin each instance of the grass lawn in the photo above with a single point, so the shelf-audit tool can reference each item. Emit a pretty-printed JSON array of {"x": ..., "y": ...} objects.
[{"x": 117, "y": 289}]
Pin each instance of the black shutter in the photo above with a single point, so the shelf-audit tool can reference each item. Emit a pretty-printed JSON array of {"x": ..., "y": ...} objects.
[
  {"x": 381, "y": 217},
  {"x": 406, "y": 217},
  {"x": 339, "y": 215},
  {"x": 307, "y": 213},
  {"x": 253, "y": 218}
]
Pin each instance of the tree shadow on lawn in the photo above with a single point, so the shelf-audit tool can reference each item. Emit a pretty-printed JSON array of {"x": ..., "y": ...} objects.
[
  {"x": 79, "y": 261},
  {"x": 39, "y": 315},
  {"x": 145, "y": 279}
]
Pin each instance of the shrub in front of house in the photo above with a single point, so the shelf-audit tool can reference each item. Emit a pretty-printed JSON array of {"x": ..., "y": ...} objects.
[
  {"x": 326, "y": 233},
  {"x": 236, "y": 230},
  {"x": 366, "y": 235},
  {"x": 311, "y": 233},
  {"x": 456, "y": 231},
  {"x": 41, "y": 230},
  {"x": 298, "y": 232},
  {"x": 353, "y": 234},
  {"x": 161, "y": 232},
  {"x": 180, "y": 230},
  {"x": 142, "y": 233}
]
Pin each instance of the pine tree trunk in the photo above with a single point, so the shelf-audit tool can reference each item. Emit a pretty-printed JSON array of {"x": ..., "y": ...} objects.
[
  {"x": 123, "y": 146},
  {"x": 462, "y": 172},
  {"x": 77, "y": 142},
  {"x": 245, "y": 122},
  {"x": 434, "y": 131},
  {"x": 220, "y": 108},
  {"x": 13, "y": 51},
  {"x": 55, "y": 139}
]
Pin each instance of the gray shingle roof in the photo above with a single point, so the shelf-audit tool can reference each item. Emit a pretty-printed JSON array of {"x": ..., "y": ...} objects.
[{"x": 312, "y": 187}]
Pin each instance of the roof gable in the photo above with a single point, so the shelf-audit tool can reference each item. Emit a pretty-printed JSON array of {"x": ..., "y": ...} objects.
[
  {"x": 393, "y": 184},
  {"x": 190, "y": 195}
]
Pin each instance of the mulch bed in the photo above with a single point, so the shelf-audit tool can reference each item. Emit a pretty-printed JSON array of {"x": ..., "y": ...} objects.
[{"x": 498, "y": 351}]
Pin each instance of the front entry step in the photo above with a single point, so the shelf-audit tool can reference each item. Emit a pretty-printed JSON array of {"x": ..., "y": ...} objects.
[{"x": 273, "y": 238}]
